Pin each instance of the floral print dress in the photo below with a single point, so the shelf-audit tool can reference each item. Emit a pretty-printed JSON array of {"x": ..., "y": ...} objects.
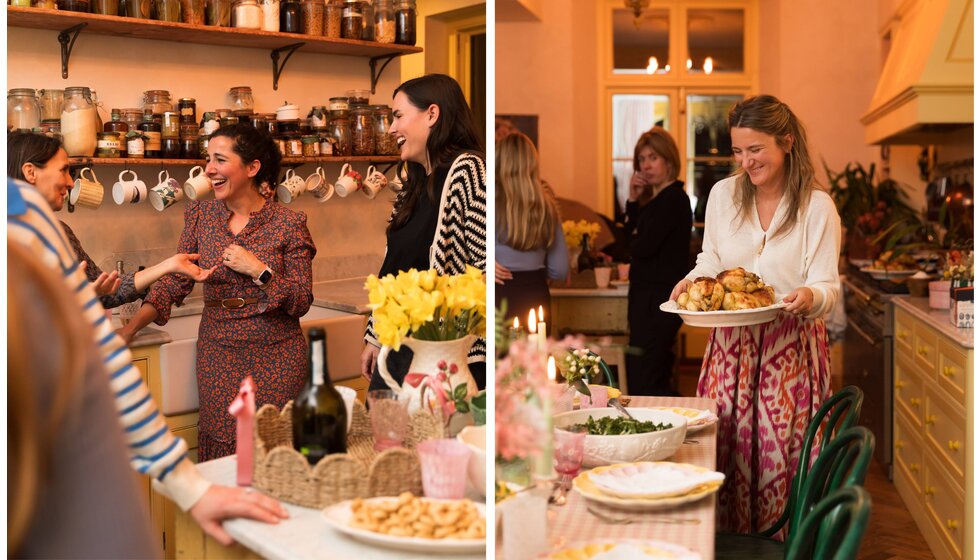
[{"x": 263, "y": 339}]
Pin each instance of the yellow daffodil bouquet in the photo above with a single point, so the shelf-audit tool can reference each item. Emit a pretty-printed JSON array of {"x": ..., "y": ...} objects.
[
  {"x": 575, "y": 230},
  {"x": 427, "y": 305}
]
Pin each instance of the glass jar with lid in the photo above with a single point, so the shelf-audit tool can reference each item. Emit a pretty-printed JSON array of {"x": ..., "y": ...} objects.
[
  {"x": 385, "y": 144},
  {"x": 352, "y": 20},
  {"x": 290, "y": 17},
  {"x": 107, "y": 145},
  {"x": 187, "y": 107},
  {"x": 312, "y": 17},
  {"x": 311, "y": 145},
  {"x": 78, "y": 122},
  {"x": 192, "y": 11},
  {"x": 333, "y": 12},
  {"x": 218, "y": 13},
  {"x": 157, "y": 101},
  {"x": 362, "y": 130},
  {"x": 405, "y": 15},
  {"x": 152, "y": 133},
  {"x": 241, "y": 100},
  {"x": 116, "y": 124},
  {"x": 384, "y": 21},
  {"x": 245, "y": 14},
  {"x": 209, "y": 123},
  {"x": 270, "y": 15},
  {"x": 52, "y": 100},
  {"x": 318, "y": 117},
  {"x": 99, "y": 109},
  {"x": 132, "y": 117},
  {"x": 339, "y": 130},
  {"x": 167, "y": 10},
  {"x": 171, "y": 125},
  {"x": 367, "y": 20},
  {"x": 23, "y": 109},
  {"x": 358, "y": 97}
]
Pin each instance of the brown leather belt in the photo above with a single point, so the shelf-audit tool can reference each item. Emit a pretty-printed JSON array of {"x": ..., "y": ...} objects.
[{"x": 231, "y": 303}]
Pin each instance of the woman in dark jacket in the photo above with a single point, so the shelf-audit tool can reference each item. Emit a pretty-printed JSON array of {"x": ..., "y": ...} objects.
[{"x": 658, "y": 220}]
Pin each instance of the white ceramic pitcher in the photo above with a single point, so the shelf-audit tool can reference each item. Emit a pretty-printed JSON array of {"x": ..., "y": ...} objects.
[{"x": 427, "y": 354}]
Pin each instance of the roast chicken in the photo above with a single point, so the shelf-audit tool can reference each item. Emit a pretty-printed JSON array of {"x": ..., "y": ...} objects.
[{"x": 732, "y": 290}]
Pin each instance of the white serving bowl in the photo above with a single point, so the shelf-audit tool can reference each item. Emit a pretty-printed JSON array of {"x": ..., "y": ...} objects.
[
  {"x": 608, "y": 450},
  {"x": 475, "y": 437}
]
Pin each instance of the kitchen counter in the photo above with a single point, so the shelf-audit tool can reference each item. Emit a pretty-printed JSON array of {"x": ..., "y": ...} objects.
[
  {"x": 346, "y": 295},
  {"x": 148, "y": 336},
  {"x": 935, "y": 318},
  {"x": 589, "y": 292}
]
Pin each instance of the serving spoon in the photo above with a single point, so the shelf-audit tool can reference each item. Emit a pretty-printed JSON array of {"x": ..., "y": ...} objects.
[{"x": 614, "y": 402}]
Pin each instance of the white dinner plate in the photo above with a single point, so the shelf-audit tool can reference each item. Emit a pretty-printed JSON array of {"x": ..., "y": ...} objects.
[
  {"x": 881, "y": 274},
  {"x": 722, "y": 318},
  {"x": 697, "y": 419},
  {"x": 622, "y": 549},
  {"x": 339, "y": 516},
  {"x": 653, "y": 480},
  {"x": 591, "y": 492}
]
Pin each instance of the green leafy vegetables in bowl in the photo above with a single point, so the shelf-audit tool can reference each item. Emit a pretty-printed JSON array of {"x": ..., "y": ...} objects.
[{"x": 618, "y": 426}]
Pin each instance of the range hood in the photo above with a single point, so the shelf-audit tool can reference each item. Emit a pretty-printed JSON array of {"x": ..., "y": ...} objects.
[{"x": 925, "y": 91}]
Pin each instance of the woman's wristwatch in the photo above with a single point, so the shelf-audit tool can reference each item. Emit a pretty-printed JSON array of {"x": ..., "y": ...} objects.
[{"x": 263, "y": 278}]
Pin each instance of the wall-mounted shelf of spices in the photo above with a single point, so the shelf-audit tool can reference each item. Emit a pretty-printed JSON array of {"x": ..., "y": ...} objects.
[
  {"x": 61, "y": 20},
  {"x": 88, "y": 161}
]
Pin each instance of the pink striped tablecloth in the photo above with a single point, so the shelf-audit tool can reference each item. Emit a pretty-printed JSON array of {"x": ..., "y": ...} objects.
[{"x": 573, "y": 522}]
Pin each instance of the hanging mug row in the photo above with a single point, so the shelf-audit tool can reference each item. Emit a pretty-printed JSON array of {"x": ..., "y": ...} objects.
[{"x": 88, "y": 192}]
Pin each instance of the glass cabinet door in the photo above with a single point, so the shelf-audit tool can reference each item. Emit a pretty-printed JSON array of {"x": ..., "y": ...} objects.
[
  {"x": 641, "y": 45},
  {"x": 709, "y": 147},
  {"x": 715, "y": 41},
  {"x": 632, "y": 116}
]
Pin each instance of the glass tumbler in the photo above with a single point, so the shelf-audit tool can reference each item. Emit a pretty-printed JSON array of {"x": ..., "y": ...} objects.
[
  {"x": 389, "y": 418},
  {"x": 443, "y": 464},
  {"x": 569, "y": 451}
]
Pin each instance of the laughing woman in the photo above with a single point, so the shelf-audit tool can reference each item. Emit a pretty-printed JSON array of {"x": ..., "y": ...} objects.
[
  {"x": 768, "y": 380},
  {"x": 439, "y": 219},
  {"x": 261, "y": 255}
]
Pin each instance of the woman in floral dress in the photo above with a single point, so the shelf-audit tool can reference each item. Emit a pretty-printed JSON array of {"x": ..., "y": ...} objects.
[
  {"x": 768, "y": 380},
  {"x": 260, "y": 256}
]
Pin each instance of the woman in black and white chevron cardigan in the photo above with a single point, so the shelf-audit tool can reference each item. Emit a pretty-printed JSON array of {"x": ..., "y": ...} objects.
[{"x": 439, "y": 219}]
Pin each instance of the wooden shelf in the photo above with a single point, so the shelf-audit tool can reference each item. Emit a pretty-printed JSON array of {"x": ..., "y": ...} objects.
[
  {"x": 76, "y": 161},
  {"x": 59, "y": 20}
]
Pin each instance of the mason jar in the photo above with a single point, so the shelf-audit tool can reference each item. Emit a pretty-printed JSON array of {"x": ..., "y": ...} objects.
[
  {"x": 246, "y": 14},
  {"x": 312, "y": 11},
  {"x": 23, "y": 109},
  {"x": 362, "y": 130},
  {"x": 384, "y": 21},
  {"x": 340, "y": 133},
  {"x": 270, "y": 15},
  {"x": 333, "y": 13},
  {"x": 405, "y": 16},
  {"x": 352, "y": 20},
  {"x": 385, "y": 144},
  {"x": 241, "y": 99},
  {"x": 78, "y": 122},
  {"x": 52, "y": 100},
  {"x": 157, "y": 101}
]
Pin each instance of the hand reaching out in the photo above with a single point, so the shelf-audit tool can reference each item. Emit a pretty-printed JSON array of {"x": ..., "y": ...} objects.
[
  {"x": 501, "y": 273},
  {"x": 184, "y": 263},
  {"x": 106, "y": 284},
  {"x": 222, "y": 502}
]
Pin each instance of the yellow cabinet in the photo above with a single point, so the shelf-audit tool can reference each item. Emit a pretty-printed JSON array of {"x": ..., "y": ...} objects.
[{"x": 933, "y": 431}]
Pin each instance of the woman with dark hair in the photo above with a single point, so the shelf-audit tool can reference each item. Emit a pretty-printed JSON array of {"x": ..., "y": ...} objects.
[
  {"x": 261, "y": 255},
  {"x": 658, "y": 221},
  {"x": 439, "y": 218},
  {"x": 773, "y": 219},
  {"x": 41, "y": 161}
]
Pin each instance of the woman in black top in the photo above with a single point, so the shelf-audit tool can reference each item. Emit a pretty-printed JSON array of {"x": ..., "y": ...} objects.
[
  {"x": 658, "y": 219},
  {"x": 439, "y": 218}
]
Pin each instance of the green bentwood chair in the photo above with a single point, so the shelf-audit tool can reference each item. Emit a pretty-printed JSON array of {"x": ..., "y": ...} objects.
[{"x": 834, "y": 528}]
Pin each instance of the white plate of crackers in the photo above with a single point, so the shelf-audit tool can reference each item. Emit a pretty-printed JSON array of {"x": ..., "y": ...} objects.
[{"x": 411, "y": 523}]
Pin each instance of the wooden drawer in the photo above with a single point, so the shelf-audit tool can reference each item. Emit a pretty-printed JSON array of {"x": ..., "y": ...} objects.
[
  {"x": 908, "y": 452},
  {"x": 924, "y": 346},
  {"x": 909, "y": 392},
  {"x": 945, "y": 430},
  {"x": 945, "y": 508},
  {"x": 143, "y": 364},
  {"x": 953, "y": 368},
  {"x": 189, "y": 435},
  {"x": 903, "y": 332}
]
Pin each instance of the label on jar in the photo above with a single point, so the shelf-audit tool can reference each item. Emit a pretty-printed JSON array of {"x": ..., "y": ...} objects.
[
  {"x": 187, "y": 111},
  {"x": 153, "y": 141},
  {"x": 108, "y": 143},
  {"x": 318, "y": 122},
  {"x": 326, "y": 147},
  {"x": 294, "y": 147},
  {"x": 210, "y": 127},
  {"x": 339, "y": 105},
  {"x": 135, "y": 147}
]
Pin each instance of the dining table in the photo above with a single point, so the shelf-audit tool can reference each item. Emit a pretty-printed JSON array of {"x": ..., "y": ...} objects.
[{"x": 691, "y": 525}]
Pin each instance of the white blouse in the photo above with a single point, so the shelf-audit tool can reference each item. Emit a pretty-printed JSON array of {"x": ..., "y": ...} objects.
[{"x": 805, "y": 256}]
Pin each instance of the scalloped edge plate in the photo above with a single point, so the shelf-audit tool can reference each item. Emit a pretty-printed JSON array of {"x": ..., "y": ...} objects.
[
  {"x": 721, "y": 318},
  {"x": 697, "y": 418},
  {"x": 630, "y": 479},
  {"x": 658, "y": 550},
  {"x": 591, "y": 492},
  {"x": 338, "y": 516}
]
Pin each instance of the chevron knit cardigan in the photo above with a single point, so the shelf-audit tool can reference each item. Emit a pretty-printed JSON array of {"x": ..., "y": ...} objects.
[{"x": 461, "y": 233}]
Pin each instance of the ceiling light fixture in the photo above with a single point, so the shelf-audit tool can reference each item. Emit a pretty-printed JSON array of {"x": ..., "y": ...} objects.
[{"x": 637, "y": 6}]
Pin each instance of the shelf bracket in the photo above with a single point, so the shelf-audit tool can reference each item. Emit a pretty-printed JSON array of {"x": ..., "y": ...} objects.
[
  {"x": 67, "y": 40},
  {"x": 276, "y": 69},
  {"x": 375, "y": 72}
]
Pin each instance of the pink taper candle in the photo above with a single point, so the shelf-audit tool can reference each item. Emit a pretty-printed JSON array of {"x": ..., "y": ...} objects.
[{"x": 243, "y": 409}]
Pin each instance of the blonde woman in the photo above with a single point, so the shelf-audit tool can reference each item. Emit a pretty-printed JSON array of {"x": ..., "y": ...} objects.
[
  {"x": 768, "y": 380},
  {"x": 530, "y": 246}
]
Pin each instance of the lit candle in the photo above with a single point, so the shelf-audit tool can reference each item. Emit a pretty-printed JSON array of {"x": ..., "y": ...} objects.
[
  {"x": 532, "y": 329},
  {"x": 542, "y": 327},
  {"x": 517, "y": 323},
  {"x": 552, "y": 372},
  {"x": 544, "y": 469}
]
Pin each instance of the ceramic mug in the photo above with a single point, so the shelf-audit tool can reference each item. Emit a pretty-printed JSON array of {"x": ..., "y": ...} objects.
[
  {"x": 197, "y": 185},
  {"x": 291, "y": 187},
  {"x": 87, "y": 192},
  {"x": 166, "y": 193},
  {"x": 129, "y": 190},
  {"x": 374, "y": 182},
  {"x": 318, "y": 186},
  {"x": 348, "y": 181}
]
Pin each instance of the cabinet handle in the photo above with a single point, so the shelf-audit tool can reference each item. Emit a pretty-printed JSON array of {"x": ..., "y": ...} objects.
[
  {"x": 899, "y": 385},
  {"x": 930, "y": 420},
  {"x": 914, "y": 467},
  {"x": 899, "y": 445},
  {"x": 952, "y": 525},
  {"x": 954, "y": 445},
  {"x": 949, "y": 371},
  {"x": 915, "y": 401},
  {"x": 902, "y": 335},
  {"x": 923, "y": 350},
  {"x": 929, "y": 491}
]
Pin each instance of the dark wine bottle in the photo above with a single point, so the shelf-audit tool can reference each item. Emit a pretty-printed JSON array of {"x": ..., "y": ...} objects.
[
  {"x": 586, "y": 261},
  {"x": 319, "y": 414}
]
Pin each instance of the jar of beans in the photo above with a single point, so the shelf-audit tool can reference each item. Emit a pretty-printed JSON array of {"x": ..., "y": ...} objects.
[
  {"x": 340, "y": 133},
  {"x": 352, "y": 20},
  {"x": 362, "y": 130},
  {"x": 312, "y": 17}
]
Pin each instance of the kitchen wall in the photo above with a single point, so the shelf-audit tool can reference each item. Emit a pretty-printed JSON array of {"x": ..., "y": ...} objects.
[
  {"x": 348, "y": 232},
  {"x": 549, "y": 68}
]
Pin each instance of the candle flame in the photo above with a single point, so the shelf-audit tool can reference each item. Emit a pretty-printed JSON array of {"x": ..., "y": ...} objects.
[
  {"x": 517, "y": 323},
  {"x": 552, "y": 374},
  {"x": 541, "y": 313},
  {"x": 532, "y": 322}
]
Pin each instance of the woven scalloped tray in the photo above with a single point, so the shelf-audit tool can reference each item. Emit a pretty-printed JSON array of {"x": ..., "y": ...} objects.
[{"x": 362, "y": 472}]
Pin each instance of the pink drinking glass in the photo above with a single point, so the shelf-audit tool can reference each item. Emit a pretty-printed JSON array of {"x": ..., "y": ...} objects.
[
  {"x": 599, "y": 399},
  {"x": 389, "y": 418},
  {"x": 569, "y": 445},
  {"x": 444, "y": 463}
]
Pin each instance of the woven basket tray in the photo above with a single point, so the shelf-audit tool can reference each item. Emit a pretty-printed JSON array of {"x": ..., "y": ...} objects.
[{"x": 362, "y": 472}]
